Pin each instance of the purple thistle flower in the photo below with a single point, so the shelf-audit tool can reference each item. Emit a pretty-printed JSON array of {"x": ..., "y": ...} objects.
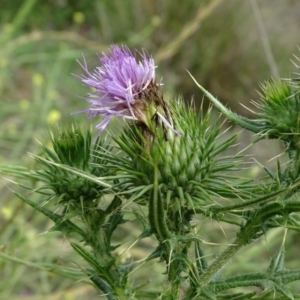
[{"x": 124, "y": 86}]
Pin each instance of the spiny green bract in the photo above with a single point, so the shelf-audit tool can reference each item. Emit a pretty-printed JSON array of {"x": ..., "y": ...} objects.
[
  {"x": 279, "y": 110},
  {"x": 189, "y": 167},
  {"x": 72, "y": 149}
]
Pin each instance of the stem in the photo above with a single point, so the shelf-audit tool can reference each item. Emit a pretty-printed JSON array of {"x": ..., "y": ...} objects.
[
  {"x": 244, "y": 237},
  {"x": 262, "y": 199},
  {"x": 173, "y": 277},
  {"x": 248, "y": 233},
  {"x": 221, "y": 261}
]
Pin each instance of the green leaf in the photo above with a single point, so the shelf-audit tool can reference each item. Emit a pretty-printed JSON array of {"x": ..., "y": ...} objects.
[
  {"x": 101, "y": 270},
  {"x": 75, "y": 171},
  {"x": 146, "y": 295},
  {"x": 241, "y": 121},
  {"x": 18, "y": 172},
  {"x": 114, "y": 220},
  {"x": 103, "y": 286},
  {"x": 60, "y": 270},
  {"x": 275, "y": 282},
  {"x": 284, "y": 290},
  {"x": 158, "y": 252},
  {"x": 207, "y": 293},
  {"x": 200, "y": 258},
  {"x": 64, "y": 226},
  {"x": 277, "y": 262},
  {"x": 146, "y": 227},
  {"x": 237, "y": 296}
]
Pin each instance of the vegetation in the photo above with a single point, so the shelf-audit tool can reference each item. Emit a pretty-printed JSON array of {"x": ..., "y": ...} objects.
[{"x": 228, "y": 47}]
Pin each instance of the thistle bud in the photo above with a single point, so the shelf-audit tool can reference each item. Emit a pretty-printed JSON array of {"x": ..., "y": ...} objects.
[
  {"x": 72, "y": 151},
  {"x": 279, "y": 109},
  {"x": 187, "y": 163},
  {"x": 72, "y": 147},
  {"x": 278, "y": 117}
]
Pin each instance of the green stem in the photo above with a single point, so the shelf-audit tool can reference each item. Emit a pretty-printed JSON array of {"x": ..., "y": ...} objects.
[
  {"x": 248, "y": 233},
  {"x": 260, "y": 200},
  {"x": 220, "y": 262},
  {"x": 173, "y": 277}
]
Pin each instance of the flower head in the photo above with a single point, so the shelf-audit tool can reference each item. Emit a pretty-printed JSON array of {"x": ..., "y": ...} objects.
[{"x": 124, "y": 86}]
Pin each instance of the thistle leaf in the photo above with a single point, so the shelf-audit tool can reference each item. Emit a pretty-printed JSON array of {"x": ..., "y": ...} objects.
[
  {"x": 102, "y": 270},
  {"x": 64, "y": 226}
]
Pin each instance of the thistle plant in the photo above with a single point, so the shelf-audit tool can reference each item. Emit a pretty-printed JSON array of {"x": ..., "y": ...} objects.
[{"x": 169, "y": 165}]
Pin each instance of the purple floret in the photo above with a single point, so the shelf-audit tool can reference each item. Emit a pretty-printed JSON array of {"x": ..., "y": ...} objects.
[{"x": 118, "y": 83}]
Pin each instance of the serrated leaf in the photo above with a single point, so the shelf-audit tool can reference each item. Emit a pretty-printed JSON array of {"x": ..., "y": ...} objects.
[
  {"x": 277, "y": 262},
  {"x": 156, "y": 253},
  {"x": 266, "y": 295},
  {"x": 115, "y": 204},
  {"x": 114, "y": 220},
  {"x": 103, "y": 286},
  {"x": 284, "y": 290},
  {"x": 237, "y": 296},
  {"x": 64, "y": 226},
  {"x": 207, "y": 293},
  {"x": 146, "y": 227},
  {"x": 100, "y": 269},
  {"x": 243, "y": 296},
  {"x": 271, "y": 173},
  {"x": 201, "y": 262}
]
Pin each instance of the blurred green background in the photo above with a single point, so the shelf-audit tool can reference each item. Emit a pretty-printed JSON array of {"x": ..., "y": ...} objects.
[{"x": 229, "y": 46}]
